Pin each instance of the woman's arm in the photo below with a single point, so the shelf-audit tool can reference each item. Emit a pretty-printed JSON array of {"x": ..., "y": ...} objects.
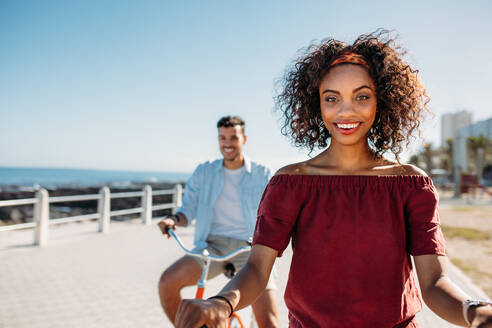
[
  {"x": 445, "y": 298},
  {"x": 241, "y": 291}
]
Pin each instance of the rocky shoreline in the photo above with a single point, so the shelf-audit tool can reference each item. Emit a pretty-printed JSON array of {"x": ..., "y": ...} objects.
[{"x": 24, "y": 213}]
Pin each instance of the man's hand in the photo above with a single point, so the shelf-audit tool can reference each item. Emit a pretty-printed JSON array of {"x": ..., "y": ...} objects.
[
  {"x": 167, "y": 223},
  {"x": 194, "y": 313},
  {"x": 482, "y": 317}
]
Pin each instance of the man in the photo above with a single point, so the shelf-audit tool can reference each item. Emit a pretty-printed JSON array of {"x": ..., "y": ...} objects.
[{"x": 223, "y": 197}]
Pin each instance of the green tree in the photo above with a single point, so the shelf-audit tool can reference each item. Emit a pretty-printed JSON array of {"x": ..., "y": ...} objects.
[
  {"x": 474, "y": 145},
  {"x": 414, "y": 160},
  {"x": 427, "y": 154},
  {"x": 447, "y": 159},
  {"x": 446, "y": 163}
]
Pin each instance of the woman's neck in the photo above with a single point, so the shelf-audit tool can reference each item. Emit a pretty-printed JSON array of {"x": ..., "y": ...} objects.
[{"x": 349, "y": 158}]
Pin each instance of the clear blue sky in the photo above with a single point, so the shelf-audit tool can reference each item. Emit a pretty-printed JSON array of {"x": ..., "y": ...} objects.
[{"x": 139, "y": 85}]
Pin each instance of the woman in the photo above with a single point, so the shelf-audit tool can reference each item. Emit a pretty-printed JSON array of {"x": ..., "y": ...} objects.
[{"x": 354, "y": 217}]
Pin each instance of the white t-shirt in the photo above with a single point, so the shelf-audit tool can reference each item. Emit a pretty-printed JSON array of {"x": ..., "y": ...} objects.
[{"x": 228, "y": 220}]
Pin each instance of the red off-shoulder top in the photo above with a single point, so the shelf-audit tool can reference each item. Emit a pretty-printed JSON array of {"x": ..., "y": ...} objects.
[{"x": 352, "y": 237}]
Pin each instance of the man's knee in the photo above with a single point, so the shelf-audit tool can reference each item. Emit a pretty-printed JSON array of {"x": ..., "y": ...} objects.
[
  {"x": 184, "y": 272},
  {"x": 168, "y": 281}
]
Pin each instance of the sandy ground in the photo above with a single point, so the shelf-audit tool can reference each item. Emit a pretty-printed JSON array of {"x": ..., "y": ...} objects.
[{"x": 472, "y": 253}]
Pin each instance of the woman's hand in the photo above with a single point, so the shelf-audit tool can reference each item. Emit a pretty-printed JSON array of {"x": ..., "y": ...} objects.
[
  {"x": 196, "y": 313},
  {"x": 241, "y": 291},
  {"x": 482, "y": 317}
]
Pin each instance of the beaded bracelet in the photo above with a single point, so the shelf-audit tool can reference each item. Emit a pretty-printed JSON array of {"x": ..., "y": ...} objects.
[{"x": 225, "y": 299}]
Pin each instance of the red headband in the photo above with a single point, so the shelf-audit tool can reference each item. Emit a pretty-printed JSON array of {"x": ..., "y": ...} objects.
[{"x": 351, "y": 58}]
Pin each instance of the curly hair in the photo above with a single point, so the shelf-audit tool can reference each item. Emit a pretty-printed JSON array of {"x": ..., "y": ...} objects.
[{"x": 401, "y": 98}]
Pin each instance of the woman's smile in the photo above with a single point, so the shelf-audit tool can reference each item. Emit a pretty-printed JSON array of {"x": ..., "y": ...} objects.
[{"x": 347, "y": 127}]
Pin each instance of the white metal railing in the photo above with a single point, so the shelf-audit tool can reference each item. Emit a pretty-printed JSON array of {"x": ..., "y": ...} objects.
[{"x": 41, "y": 220}]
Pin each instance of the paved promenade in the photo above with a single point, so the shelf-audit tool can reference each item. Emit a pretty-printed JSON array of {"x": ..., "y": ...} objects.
[{"x": 86, "y": 279}]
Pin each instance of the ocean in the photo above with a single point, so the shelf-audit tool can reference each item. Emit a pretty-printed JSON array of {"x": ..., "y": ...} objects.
[{"x": 56, "y": 177}]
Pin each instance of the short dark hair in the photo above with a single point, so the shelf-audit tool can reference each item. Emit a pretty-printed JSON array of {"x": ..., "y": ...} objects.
[{"x": 229, "y": 121}]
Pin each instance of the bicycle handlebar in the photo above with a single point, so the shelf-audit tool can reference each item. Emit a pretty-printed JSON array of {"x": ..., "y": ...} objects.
[{"x": 203, "y": 256}]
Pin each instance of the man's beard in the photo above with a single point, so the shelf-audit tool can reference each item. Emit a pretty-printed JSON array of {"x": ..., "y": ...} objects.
[{"x": 233, "y": 158}]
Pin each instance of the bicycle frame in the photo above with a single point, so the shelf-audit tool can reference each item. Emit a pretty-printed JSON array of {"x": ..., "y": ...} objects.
[{"x": 207, "y": 258}]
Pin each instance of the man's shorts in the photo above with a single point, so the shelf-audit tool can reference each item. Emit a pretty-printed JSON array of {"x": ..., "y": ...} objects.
[{"x": 219, "y": 245}]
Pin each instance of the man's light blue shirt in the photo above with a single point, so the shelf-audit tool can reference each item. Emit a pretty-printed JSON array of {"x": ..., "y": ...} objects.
[{"x": 205, "y": 185}]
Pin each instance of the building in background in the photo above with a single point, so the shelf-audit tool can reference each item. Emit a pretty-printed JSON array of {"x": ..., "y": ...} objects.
[
  {"x": 460, "y": 156},
  {"x": 452, "y": 123},
  {"x": 481, "y": 128}
]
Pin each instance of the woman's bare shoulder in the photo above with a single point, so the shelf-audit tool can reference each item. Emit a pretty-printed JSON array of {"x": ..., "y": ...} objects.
[
  {"x": 409, "y": 169},
  {"x": 293, "y": 169},
  {"x": 388, "y": 167}
]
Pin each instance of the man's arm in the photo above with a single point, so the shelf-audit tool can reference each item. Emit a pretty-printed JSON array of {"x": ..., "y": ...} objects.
[
  {"x": 445, "y": 298},
  {"x": 191, "y": 195},
  {"x": 187, "y": 211}
]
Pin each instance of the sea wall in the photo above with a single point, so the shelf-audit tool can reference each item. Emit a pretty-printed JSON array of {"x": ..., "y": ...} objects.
[{"x": 24, "y": 213}]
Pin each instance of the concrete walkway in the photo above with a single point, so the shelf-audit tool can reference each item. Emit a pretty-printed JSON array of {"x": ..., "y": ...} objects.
[{"x": 85, "y": 279}]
